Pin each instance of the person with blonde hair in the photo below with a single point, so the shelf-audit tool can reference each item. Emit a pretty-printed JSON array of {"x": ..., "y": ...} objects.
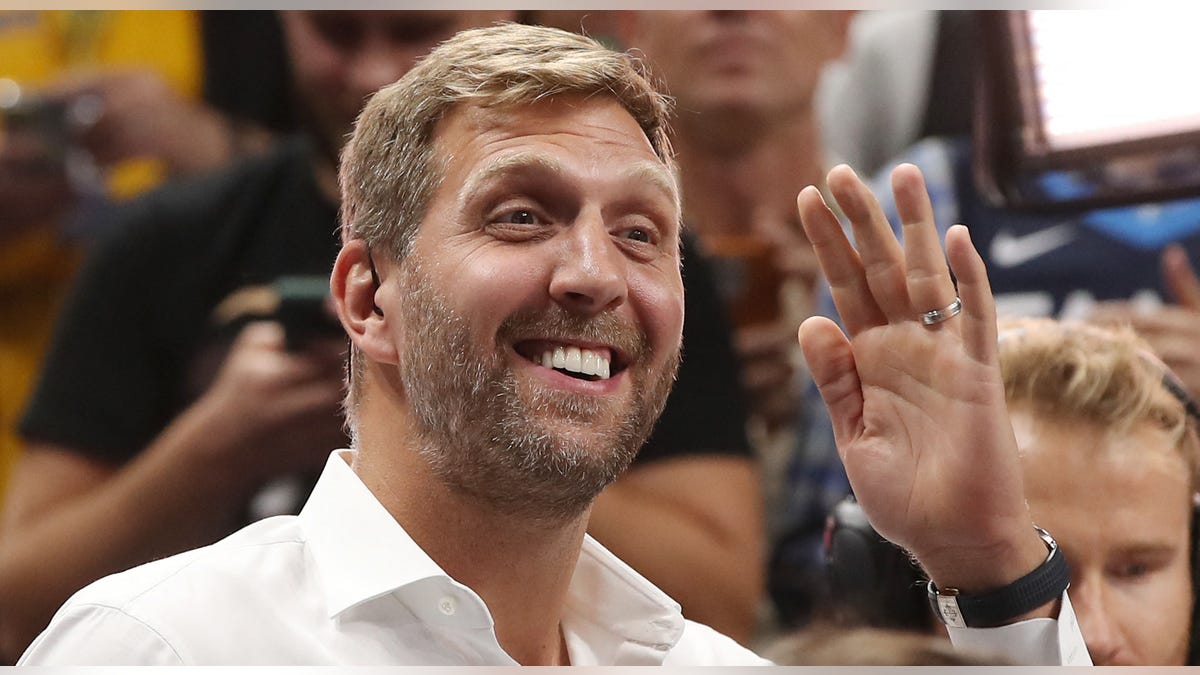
[{"x": 1111, "y": 459}]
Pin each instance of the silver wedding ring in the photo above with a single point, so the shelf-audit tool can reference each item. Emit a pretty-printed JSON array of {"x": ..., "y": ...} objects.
[{"x": 935, "y": 316}]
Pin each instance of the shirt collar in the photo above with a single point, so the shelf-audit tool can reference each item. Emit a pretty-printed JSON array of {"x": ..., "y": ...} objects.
[
  {"x": 360, "y": 550},
  {"x": 612, "y": 614}
]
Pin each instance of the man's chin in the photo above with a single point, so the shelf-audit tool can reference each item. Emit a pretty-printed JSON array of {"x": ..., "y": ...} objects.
[
  {"x": 546, "y": 475},
  {"x": 590, "y": 433}
]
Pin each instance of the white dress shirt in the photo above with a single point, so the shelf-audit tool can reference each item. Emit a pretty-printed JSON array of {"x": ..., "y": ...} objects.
[{"x": 343, "y": 584}]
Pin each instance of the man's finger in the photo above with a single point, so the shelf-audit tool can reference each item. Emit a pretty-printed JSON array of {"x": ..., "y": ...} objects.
[
  {"x": 831, "y": 362},
  {"x": 839, "y": 262},
  {"x": 1180, "y": 277},
  {"x": 978, "y": 305},
  {"x": 880, "y": 252},
  {"x": 929, "y": 284}
]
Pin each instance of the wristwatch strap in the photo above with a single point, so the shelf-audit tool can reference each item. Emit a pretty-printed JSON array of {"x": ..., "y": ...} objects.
[{"x": 1000, "y": 606}]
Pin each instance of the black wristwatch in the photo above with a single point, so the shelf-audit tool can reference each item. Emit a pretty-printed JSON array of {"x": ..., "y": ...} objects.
[{"x": 1000, "y": 606}]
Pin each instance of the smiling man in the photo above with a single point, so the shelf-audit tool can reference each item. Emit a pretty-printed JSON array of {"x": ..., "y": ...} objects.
[
  {"x": 510, "y": 281},
  {"x": 514, "y": 195},
  {"x": 529, "y": 336}
]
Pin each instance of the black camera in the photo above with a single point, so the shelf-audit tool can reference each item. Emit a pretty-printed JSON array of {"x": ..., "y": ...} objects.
[
  {"x": 41, "y": 119},
  {"x": 298, "y": 302},
  {"x": 303, "y": 309}
]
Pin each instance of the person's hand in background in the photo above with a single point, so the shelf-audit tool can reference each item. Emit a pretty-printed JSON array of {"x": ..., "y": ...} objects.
[{"x": 1172, "y": 330}]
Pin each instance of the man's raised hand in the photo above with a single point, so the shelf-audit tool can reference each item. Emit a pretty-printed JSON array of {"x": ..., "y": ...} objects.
[{"x": 918, "y": 410}]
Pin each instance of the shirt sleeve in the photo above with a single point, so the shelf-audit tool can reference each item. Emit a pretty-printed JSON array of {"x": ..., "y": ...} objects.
[
  {"x": 98, "y": 635},
  {"x": 102, "y": 390},
  {"x": 1036, "y": 642}
]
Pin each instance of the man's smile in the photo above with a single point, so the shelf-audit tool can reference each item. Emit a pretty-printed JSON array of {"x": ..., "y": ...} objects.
[{"x": 590, "y": 362}]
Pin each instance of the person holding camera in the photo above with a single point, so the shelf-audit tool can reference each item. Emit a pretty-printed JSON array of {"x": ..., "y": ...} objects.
[{"x": 96, "y": 107}]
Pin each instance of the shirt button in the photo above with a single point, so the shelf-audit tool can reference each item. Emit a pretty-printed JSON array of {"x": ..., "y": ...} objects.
[{"x": 448, "y": 605}]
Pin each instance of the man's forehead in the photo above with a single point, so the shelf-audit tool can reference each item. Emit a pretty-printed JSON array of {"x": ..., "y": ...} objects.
[
  {"x": 513, "y": 124},
  {"x": 550, "y": 114},
  {"x": 644, "y": 171}
]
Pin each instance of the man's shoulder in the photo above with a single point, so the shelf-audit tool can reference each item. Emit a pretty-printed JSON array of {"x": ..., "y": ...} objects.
[
  {"x": 211, "y": 200},
  {"x": 702, "y": 646},
  {"x": 288, "y": 159},
  {"x": 257, "y": 559},
  {"x": 201, "y": 606},
  {"x": 208, "y": 223}
]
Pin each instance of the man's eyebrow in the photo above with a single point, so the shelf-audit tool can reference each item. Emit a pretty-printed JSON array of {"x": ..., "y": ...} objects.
[
  {"x": 1150, "y": 548},
  {"x": 653, "y": 173},
  {"x": 530, "y": 162},
  {"x": 657, "y": 175}
]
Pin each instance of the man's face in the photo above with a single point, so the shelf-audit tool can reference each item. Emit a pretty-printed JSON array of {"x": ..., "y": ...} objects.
[
  {"x": 760, "y": 62},
  {"x": 550, "y": 251},
  {"x": 339, "y": 58},
  {"x": 1120, "y": 507}
]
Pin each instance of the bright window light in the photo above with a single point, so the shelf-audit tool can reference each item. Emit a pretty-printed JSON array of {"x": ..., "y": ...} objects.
[{"x": 1113, "y": 75}]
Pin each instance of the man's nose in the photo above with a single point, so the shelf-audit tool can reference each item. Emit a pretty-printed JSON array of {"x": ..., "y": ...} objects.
[
  {"x": 1096, "y": 621},
  {"x": 589, "y": 276}
]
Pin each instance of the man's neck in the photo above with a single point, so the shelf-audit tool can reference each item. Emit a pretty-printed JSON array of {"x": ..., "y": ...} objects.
[
  {"x": 736, "y": 173},
  {"x": 521, "y": 569}
]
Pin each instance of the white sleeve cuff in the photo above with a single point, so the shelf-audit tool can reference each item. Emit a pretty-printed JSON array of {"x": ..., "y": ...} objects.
[{"x": 1034, "y": 642}]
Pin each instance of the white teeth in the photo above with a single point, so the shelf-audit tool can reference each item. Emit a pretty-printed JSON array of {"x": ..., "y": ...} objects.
[
  {"x": 576, "y": 360},
  {"x": 590, "y": 362}
]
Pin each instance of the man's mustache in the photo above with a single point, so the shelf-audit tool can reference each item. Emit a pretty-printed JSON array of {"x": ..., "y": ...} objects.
[{"x": 558, "y": 324}]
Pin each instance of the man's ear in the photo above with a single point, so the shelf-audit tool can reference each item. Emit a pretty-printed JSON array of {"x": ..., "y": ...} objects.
[{"x": 354, "y": 286}]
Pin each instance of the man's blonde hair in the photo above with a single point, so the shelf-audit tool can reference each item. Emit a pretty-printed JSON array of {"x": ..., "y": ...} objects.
[
  {"x": 389, "y": 170},
  {"x": 1110, "y": 377}
]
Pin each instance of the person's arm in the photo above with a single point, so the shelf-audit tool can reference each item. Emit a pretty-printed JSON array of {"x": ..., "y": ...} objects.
[
  {"x": 70, "y": 519},
  {"x": 693, "y": 526},
  {"x": 135, "y": 113},
  {"x": 34, "y": 192},
  {"x": 918, "y": 411},
  {"x": 113, "y": 637}
]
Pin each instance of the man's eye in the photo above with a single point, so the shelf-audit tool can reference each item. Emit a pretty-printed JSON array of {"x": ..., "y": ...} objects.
[
  {"x": 1133, "y": 571},
  {"x": 1136, "y": 571},
  {"x": 518, "y": 217},
  {"x": 638, "y": 234}
]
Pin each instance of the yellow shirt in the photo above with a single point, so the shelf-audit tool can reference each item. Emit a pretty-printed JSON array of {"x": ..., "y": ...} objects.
[{"x": 37, "y": 48}]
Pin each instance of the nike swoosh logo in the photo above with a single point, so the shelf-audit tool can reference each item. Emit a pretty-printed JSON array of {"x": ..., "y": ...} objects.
[{"x": 1009, "y": 250}]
